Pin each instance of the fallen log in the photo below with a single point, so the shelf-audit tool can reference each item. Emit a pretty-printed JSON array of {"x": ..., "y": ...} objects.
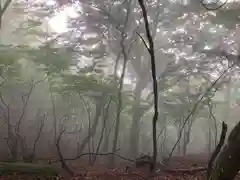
[
  {"x": 7, "y": 168},
  {"x": 186, "y": 171}
]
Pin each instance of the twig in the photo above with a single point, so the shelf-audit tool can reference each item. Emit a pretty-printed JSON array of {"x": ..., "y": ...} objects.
[{"x": 144, "y": 42}]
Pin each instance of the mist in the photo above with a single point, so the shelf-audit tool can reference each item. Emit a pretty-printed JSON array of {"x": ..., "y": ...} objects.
[{"x": 76, "y": 86}]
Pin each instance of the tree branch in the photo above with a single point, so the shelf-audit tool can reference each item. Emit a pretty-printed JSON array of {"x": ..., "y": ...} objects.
[
  {"x": 25, "y": 101},
  {"x": 3, "y": 9},
  {"x": 213, "y": 8},
  {"x": 196, "y": 106},
  {"x": 144, "y": 42},
  {"x": 98, "y": 154}
]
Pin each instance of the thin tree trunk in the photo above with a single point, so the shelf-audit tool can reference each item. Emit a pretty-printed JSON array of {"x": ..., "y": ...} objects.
[
  {"x": 179, "y": 144},
  {"x": 93, "y": 129},
  {"x": 151, "y": 51},
  {"x": 119, "y": 106},
  {"x": 209, "y": 145},
  {"x": 105, "y": 117},
  {"x": 137, "y": 114}
]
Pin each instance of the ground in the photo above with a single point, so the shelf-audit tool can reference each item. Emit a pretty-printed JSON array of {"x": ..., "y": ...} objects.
[{"x": 181, "y": 167}]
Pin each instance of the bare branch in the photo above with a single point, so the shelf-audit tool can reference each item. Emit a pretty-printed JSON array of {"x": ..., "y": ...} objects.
[
  {"x": 4, "y": 80},
  {"x": 3, "y": 101},
  {"x": 3, "y": 9},
  {"x": 197, "y": 104},
  {"x": 100, "y": 154},
  {"x": 206, "y": 6},
  {"x": 25, "y": 100},
  {"x": 144, "y": 42}
]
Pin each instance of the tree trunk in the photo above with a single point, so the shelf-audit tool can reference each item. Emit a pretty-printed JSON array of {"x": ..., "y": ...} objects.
[
  {"x": 135, "y": 127},
  {"x": 179, "y": 144},
  {"x": 227, "y": 164},
  {"x": 187, "y": 133},
  {"x": 227, "y": 98},
  {"x": 14, "y": 148},
  {"x": 137, "y": 114},
  {"x": 209, "y": 145},
  {"x": 106, "y": 140},
  {"x": 163, "y": 143},
  {"x": 93, "y": 129},
  {"x": 185, "y": 141}
]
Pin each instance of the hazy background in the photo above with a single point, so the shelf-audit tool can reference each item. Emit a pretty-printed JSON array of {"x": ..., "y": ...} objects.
[{"x": 79, "y": 70}]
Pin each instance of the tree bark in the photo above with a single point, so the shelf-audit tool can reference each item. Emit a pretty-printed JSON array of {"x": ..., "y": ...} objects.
[
  {"x": 93, "y": 129},
  {"x": 217, "y": 149},
  {"x": 187, "y": 133},
  {"x": 227, "y": 164},
  {"x": 137, "y": 114}
]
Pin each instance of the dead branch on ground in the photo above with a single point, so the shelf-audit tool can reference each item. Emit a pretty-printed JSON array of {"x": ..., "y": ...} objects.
[{"x": 98, "y": 154}]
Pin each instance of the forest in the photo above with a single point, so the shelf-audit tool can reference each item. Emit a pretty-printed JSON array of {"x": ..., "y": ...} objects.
[{"x": 120, "y": 89}]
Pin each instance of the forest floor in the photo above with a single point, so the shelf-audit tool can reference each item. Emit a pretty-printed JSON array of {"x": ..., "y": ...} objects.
[{"x": 190, "y": 167}]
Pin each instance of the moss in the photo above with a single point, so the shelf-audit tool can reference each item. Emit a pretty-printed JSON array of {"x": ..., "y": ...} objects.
[{"x": 28, "y": 168}]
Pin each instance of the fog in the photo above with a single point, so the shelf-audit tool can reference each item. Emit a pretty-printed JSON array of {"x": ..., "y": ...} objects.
[{"x": 78, "y": 75}]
